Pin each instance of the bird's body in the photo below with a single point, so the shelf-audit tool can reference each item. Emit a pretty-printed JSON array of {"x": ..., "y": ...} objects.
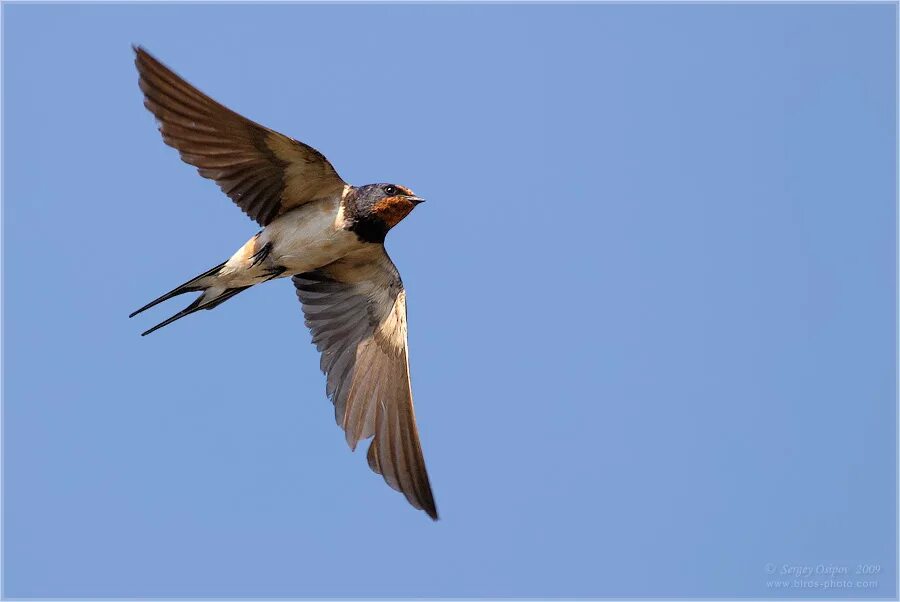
[
  {"x": 303, "y": 239},
  {"x": 328, "y": 236}
]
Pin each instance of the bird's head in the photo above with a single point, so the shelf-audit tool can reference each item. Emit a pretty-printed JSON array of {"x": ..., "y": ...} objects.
[{"x": 377, "y": 208}]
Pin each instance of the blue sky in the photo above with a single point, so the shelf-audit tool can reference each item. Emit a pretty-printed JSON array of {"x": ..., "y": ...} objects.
[{"x": 651, "y": 303}]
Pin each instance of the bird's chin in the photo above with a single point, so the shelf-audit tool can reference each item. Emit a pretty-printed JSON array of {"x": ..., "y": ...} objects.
[{"x": 392, "y": 210}]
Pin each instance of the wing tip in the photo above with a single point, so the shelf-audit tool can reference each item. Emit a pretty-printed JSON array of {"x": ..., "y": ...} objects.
[
  {"x": 140, "y": 53},
  {"x": 427, "y": 504},
  {"x": 141, "y": 59}
]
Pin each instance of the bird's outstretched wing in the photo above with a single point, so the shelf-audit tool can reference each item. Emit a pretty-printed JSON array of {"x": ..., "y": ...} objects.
[
  {"x": 356, "y": 310},
  {"x": 264, "y": 172}
]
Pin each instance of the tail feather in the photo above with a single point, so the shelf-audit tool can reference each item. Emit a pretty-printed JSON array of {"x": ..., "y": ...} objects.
[
  {"x": 213, "y": 296},
  {"x": 191, "y": 286},
  {"x": 202, "y": 302},
  {"x": 195, "y": 306},
  {"x": 228, "y": 294}
]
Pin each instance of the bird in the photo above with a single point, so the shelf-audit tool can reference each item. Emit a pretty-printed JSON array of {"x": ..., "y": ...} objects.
[{"x": 328, "y": 237}]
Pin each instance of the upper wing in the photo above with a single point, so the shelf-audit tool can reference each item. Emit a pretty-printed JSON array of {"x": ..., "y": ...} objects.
[
  {"x": 356, "y": 309},
  {"x": 264, "y": 172}
]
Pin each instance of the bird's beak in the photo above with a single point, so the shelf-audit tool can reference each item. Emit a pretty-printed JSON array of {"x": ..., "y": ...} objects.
[{"x": 415, "y": 200}]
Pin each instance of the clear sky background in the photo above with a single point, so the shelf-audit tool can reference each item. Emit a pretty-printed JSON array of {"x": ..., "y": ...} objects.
[{"x": 651, "y": 303}]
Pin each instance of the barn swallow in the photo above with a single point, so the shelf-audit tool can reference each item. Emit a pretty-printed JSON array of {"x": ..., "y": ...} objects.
[{"x": 328, "y": 237}]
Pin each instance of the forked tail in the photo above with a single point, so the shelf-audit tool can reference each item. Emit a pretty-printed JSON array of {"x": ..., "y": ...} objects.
[{"x": 212, "y": 296}]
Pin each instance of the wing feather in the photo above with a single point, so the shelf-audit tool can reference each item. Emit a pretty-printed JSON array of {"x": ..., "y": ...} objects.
[
  {"x": 356, "y": 310},
  {"x": 264, "y": 172}
]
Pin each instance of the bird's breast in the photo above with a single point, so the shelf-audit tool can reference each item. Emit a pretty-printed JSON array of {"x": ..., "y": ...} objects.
[{"x": 309, "y": 237}]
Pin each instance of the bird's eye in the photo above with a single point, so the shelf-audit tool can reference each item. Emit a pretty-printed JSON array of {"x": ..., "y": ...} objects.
[{"x": 390, "y": 190}]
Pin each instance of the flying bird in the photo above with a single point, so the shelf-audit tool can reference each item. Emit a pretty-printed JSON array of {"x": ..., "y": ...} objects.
[{"x": 328, "y": 237}]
